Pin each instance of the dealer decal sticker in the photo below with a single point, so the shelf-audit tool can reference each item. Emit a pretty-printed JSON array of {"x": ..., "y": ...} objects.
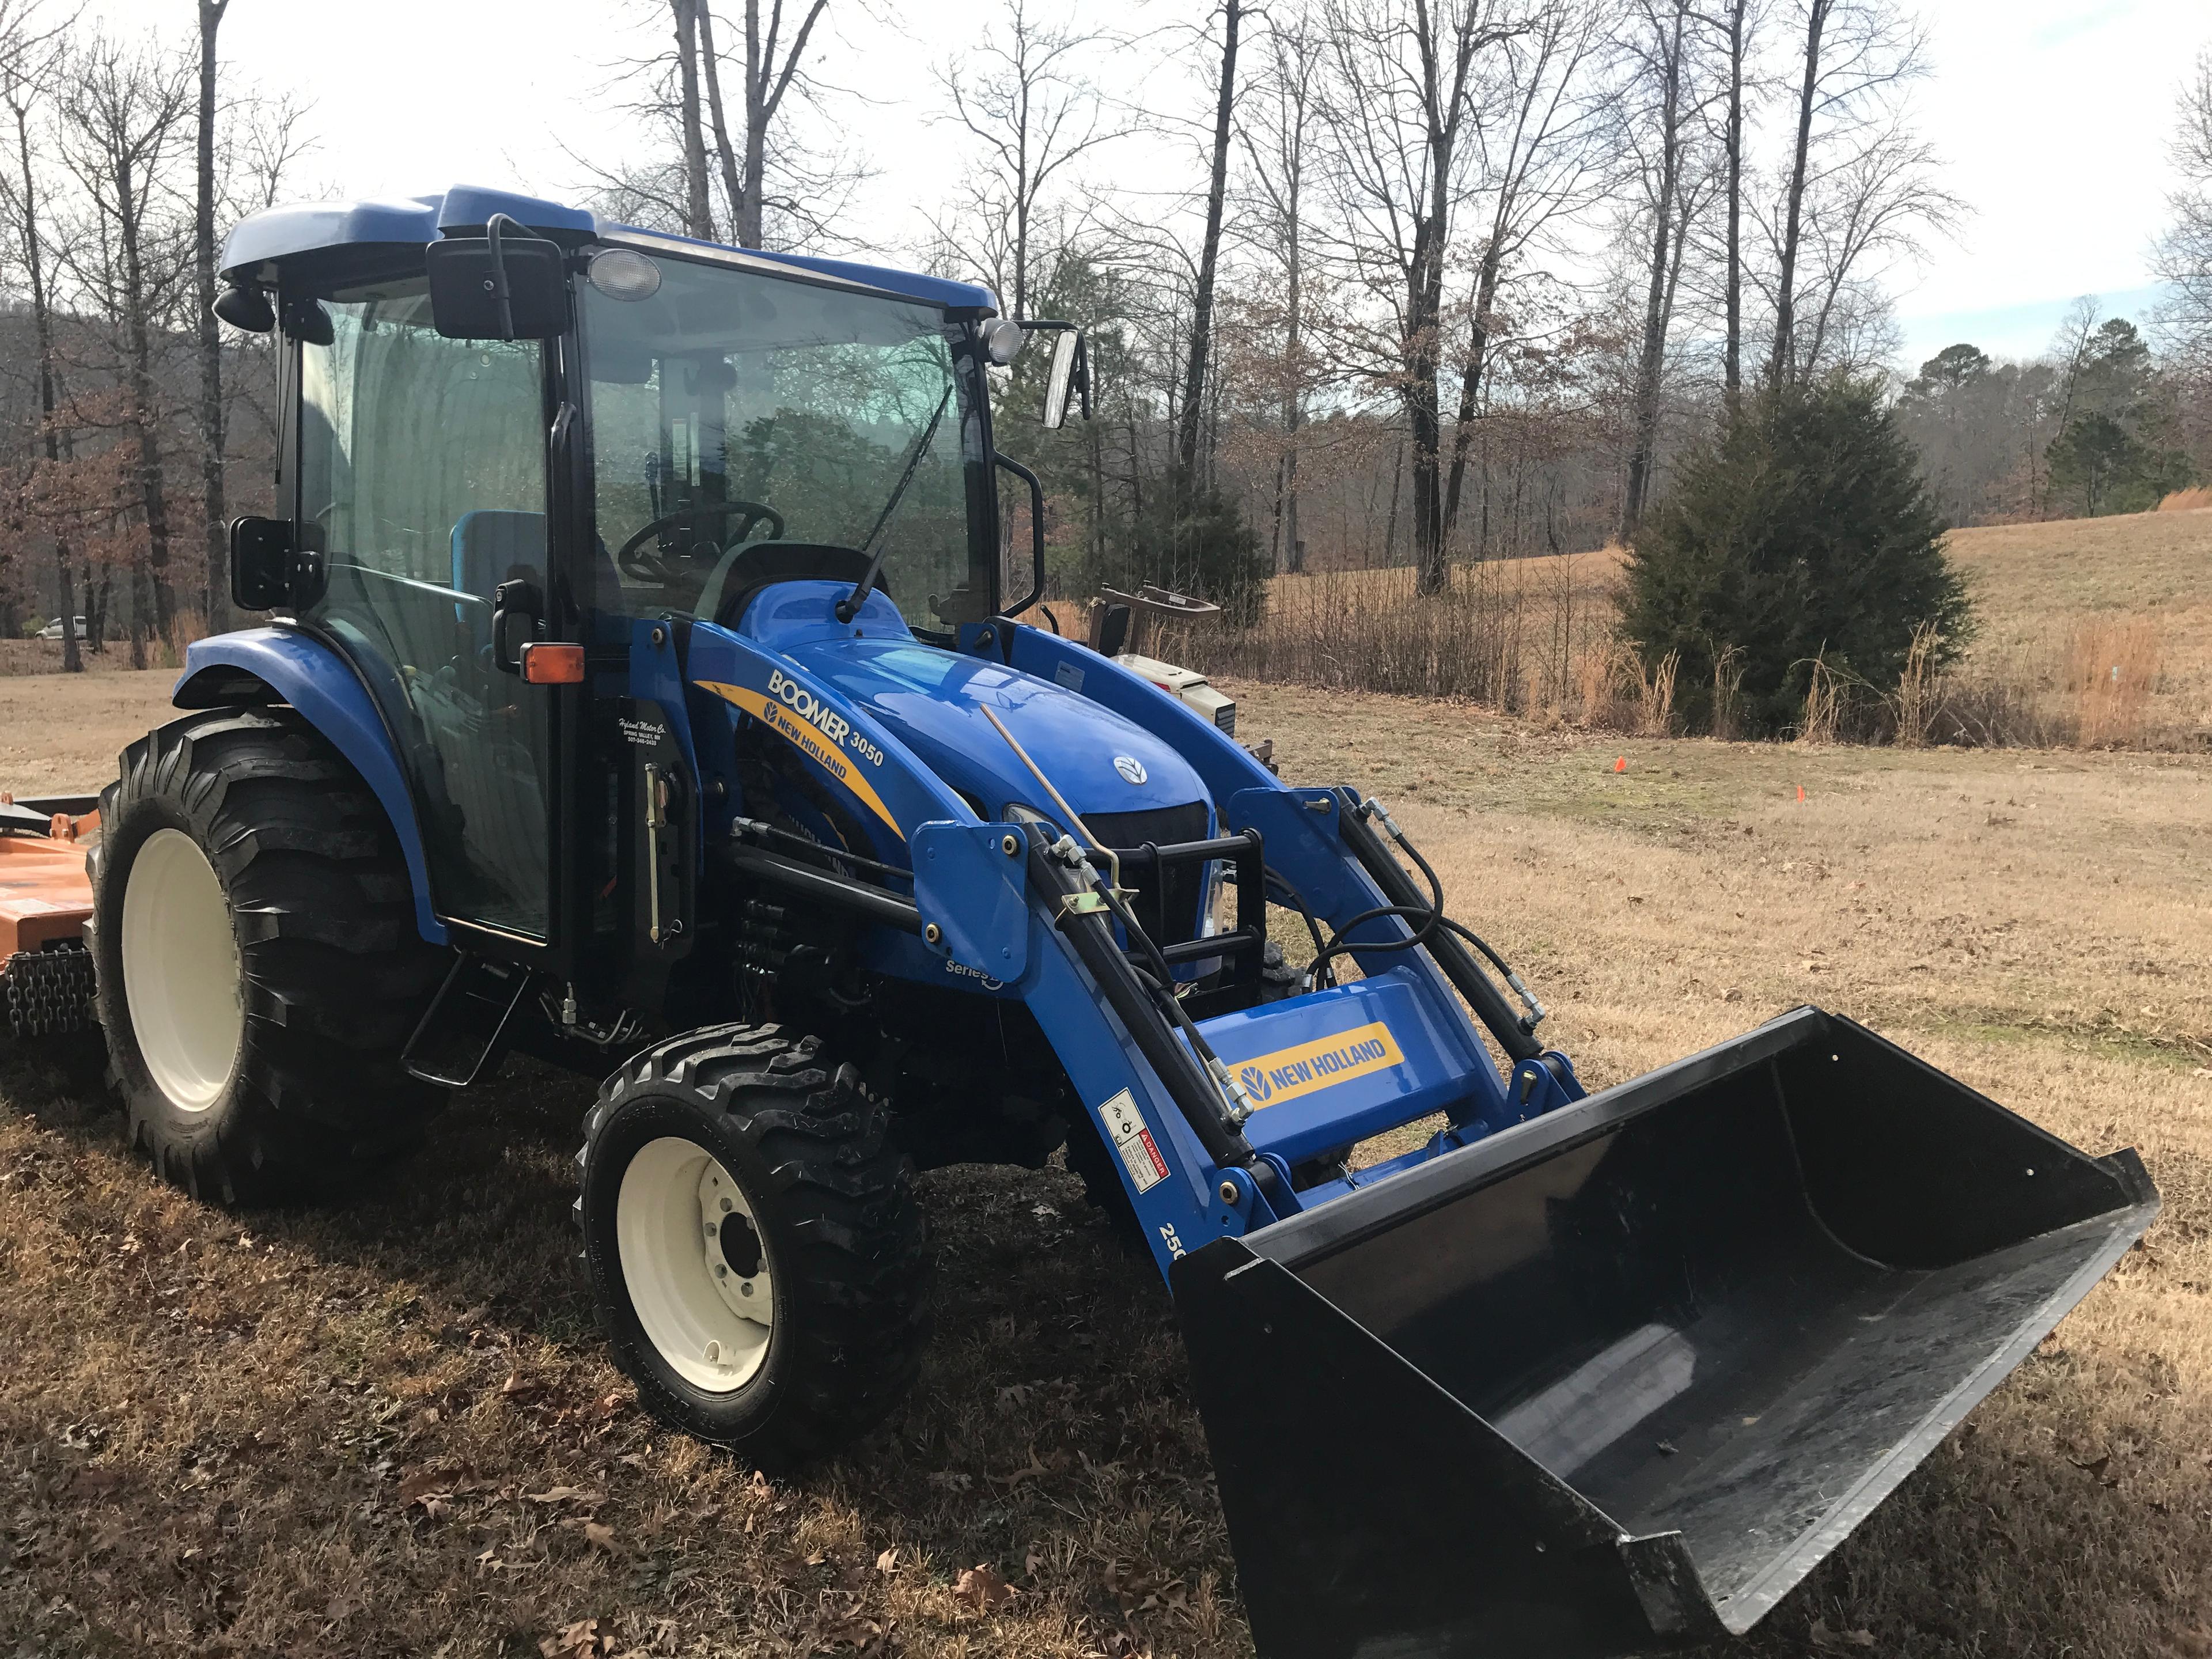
[
  {"x": 1271, "y": 1079},
  {"x": 1133, "y": 1139},
  {"x": 821, "y": 733}
]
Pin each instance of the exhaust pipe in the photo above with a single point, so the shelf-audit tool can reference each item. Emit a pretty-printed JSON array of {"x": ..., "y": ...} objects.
[{"x": 1613, "y": 1381}]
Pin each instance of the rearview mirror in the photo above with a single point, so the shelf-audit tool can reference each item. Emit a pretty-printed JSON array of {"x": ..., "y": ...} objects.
[
  {"x": 504, "y": 285},
  {"x": 260, "y": 563},
  {"x": 1070, "y": 371}
]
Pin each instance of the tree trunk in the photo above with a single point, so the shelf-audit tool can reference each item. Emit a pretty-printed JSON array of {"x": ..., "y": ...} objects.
[
  {"x": 42, "y": 329},
  {"x": 698, "y": 217},
  {"x": 152, "y": 488},
  {"x": 1470, "y": 380},
  {"x": 210, "y": 338},
  {"x": 758, "y": 110},
  {"x": 1779, "y": 365},
  {"x": 1424, "y": 313},
  {"x": 142, "y": 589},
  {"x": 1201, "y": 321},
  {"x": 742, "y": 202},
  {"x": 1653, "y": 357},
  {"x": 1732, "y": 361},
  {"x": 1390, "y": 526}
]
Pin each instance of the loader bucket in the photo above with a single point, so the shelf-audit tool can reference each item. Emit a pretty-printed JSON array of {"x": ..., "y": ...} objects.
[{"x": 1613, "y": 1381}]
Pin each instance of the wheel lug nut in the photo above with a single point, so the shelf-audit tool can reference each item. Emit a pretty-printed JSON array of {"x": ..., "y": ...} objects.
[
  {"x": 720, "y": 1272},
  {"x": 744, "y": 1287},
  {"x": 726, "y": 1206}
]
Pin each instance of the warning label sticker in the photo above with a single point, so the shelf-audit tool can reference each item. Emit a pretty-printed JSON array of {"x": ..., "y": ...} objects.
[{"x": 1126, "y": 1126}]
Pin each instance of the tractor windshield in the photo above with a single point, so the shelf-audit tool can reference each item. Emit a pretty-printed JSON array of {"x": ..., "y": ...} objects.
[{"x": 731, "y": 409}]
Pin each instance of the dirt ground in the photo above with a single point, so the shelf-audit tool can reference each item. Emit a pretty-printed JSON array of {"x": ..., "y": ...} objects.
[
  {"x": 60, "y": 733},
  {"x": 390, "y": 1428}
]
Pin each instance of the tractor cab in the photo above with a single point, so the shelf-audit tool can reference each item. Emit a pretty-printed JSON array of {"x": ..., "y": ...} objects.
[{"x": 518, "y": 475}]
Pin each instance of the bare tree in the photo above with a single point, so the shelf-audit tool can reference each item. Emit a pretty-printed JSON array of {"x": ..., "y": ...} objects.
[
  {"x": 209, "y": 336},
  {"x": 1736, "y": 24},
  {"x": 1543, "y": 162},
  {"x": 698, "y": 217},
  {"x": 1857, "y": 55},
  {"x": 1660, "y": 42},
  {"x": 1816, "y": 24},
  {"x": 1404, "y": 97},
  {"x": 1233, "y": 13},
  {"x": 2069, "y": 350},
  {"x": 1023, "y": 95},
  {"x": 2184, "y": 252},
  {"x": 124, "y": 112},
  {"x": 28, "y": 59},
  {"x": 768, "y": 83},
  {"x": 1868, "y": 212},
  {"x": 1278, "y": 147}
]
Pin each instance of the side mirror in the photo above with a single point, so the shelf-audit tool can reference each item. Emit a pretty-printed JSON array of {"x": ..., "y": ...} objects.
[
  {"x": 504, "y": 285},
  {"x": 260, "y": 563},
  {"x": 1070, "y": 371},
  {"x": 518, "y": 610}
]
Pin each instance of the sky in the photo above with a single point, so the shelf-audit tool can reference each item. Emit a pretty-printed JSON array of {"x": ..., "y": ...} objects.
[{"x": 2052, "y": 118}]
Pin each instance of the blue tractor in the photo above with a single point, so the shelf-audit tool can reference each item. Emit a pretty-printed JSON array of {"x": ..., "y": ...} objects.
[{"x": 647, "y": 688}]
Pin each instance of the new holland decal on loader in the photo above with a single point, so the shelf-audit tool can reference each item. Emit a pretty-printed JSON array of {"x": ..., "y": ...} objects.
[{"x": 645, "y": 690}]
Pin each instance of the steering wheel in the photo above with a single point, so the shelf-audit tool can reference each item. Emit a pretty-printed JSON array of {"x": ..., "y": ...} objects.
[{"x": 753, "y": 513}]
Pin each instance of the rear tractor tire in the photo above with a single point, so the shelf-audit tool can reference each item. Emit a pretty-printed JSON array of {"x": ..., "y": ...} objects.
[
  {"x": 258, "y": 962},
  {"x": 757, "y": 1255}
]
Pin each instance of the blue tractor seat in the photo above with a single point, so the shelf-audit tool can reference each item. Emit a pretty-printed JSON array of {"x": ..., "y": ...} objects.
[{"x": 489, "y": 544}]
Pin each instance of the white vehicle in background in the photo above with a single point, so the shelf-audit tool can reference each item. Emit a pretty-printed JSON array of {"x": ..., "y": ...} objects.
[{"x": 52, "y": 631}]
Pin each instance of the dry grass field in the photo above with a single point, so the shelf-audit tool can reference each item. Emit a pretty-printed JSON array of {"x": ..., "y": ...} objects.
[
  {"x": 60, "y": 733},
  {"x": 2060, "y": 604},
  {"x": 389, "y": 1427}
]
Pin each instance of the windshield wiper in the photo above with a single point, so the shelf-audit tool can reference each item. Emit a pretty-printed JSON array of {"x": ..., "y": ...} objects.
[{"x": 849, "y": 606}]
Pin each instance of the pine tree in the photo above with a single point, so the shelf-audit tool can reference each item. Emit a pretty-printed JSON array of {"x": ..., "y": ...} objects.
[{"x": 1803, "y": 530}]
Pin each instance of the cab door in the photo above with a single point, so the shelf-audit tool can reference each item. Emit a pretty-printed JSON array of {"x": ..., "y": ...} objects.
[{"x": 422, "y": 470}]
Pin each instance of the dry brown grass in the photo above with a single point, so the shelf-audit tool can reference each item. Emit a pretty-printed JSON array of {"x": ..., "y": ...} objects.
[
  {"x": 2040, "y": 589},
  {"x": 1521, "y": 634},
  {"x": 2187, "y": 500},
  {"x": 60, "y": 733},
  {"x": 351, "y": 1431},
  {"x": 1537, "y": 636},
  {"x": 2112, "y": 670}
]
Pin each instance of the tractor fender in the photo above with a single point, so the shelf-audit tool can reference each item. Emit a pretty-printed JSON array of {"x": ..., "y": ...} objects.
[{"x": 290, "y": 666}]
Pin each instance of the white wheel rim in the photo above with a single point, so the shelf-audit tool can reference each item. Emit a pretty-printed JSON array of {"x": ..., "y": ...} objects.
[
  {"x": 684, "y": 1231},
  {"x": 181, "y": 978}
]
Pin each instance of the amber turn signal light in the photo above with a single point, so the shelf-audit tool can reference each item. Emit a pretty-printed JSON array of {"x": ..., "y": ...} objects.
[{"x": 552, "y": 663}]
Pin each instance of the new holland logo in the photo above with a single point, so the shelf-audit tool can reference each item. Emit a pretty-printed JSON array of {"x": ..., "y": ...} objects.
[
  {"x": 816, "y": 731},
  {"x": 1271, "y": 1079},
  {"x": 1131, "y": 769}
]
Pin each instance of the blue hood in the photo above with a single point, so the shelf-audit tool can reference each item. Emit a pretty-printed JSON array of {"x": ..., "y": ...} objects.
[{"x": 934, "y": 699}]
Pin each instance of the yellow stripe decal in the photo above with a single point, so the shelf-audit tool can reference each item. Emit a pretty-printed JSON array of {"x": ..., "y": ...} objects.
[
  {"x": 810, "y": 743},
  {"x": 1271, "y": 1079}
]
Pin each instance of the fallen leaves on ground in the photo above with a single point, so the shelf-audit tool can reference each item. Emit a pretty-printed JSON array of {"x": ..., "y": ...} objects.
[
  {"x": 587, "y": 1638},
  {"x": 983, "y": 1588}
]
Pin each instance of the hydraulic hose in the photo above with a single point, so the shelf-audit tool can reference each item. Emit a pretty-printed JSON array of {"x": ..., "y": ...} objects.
[{"x": 1433, "y": 929}]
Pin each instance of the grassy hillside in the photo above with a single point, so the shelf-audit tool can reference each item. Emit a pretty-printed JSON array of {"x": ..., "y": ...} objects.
[
  {"x": 2045, "y": 591},
  {"x": 2060, "y": 604}
]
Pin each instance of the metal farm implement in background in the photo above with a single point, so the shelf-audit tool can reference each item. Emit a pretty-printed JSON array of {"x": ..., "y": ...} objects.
[{"x": 645, "y": 690}]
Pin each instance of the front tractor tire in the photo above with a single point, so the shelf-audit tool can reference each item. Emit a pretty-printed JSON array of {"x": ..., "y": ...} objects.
[
  {"x": 257, "y": 959},
  {"x": 757, "y": 1254}
]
